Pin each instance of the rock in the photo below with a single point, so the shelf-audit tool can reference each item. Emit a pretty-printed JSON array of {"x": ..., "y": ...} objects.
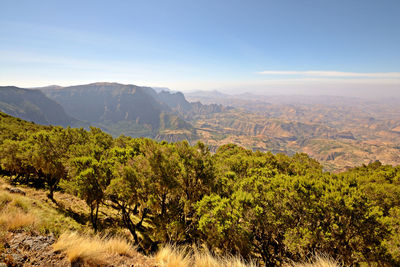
[
  {"x": 14, "y": 190},
  {"x": 36, "y": 243},
  {"x": 19, "y": 259},
  {"x": 32, "y": 250}
]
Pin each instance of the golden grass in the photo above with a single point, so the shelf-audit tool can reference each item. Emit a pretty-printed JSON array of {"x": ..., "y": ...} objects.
[
  {"x": 171, "y": 256},
  {"x": 49, "y": 217},
  {"x": 119, "y": 246},
  {"x": 17, "y": 220},
  {"x": 14, "y": 213},
  {"x": 5, "y": 199},
  {"x": 92, "y": 250},
  {"x": 317, "y": 261},
  {"x": 205, "y": 259}
]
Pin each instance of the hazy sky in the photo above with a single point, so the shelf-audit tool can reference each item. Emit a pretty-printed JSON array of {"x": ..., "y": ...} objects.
[{"x": 344, "y": 47}]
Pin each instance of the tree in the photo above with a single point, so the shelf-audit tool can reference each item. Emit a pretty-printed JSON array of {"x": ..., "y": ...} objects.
[
  {"x": 128, "y": 192},
  {"x": 89, "y": 182},
  {"x": 48, "y": 154},
  {"x": 11, "y": 159}
]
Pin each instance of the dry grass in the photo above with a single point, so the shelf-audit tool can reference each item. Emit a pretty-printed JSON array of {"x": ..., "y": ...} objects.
[
  {"x": 17, "y": 220},
  {"x": 5, "y": 199},
  {"x": 119, "y": 246},
  {"x": 92, "y": 250},
  {"x": 317, "y": 261},
  {"x": 14, "y": 213},
  {"x": 35, "y": 204},
  {"x": 205, "y": 259},
  {"x": 171, "y": 256}
]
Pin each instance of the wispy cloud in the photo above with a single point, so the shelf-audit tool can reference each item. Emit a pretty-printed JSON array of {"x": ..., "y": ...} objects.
[{"x": 318, "y": 73}]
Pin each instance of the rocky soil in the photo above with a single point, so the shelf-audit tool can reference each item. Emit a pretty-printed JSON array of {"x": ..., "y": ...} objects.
[
  {"x": 29, "y": 249},
  {"x": 22, "y": 249}
]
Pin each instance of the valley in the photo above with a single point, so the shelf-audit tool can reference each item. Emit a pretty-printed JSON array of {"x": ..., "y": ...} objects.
[{"x": 339, "y": 132}]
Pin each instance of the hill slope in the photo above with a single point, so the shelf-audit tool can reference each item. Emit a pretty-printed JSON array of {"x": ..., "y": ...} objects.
[{"x": 154, "y": 193}]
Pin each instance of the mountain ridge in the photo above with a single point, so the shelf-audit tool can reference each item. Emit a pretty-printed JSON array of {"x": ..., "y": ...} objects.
[{"x": 128, "y": 109}]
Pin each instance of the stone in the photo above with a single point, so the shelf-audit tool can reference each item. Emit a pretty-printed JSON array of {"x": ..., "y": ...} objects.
[
  {"x": 18, "y": 259},
  {"x": 14, "y": 190}
]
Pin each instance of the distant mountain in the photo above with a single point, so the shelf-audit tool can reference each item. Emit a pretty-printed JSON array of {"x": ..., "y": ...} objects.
[
  {"x": 247, "y": 101},
  {"x": 161, "y": 89},
  {"x": 33, "y": 105},
  {"x": 123, "y": 109},
  {"x": 46, "y": 87},
  {"x": 206, "y": 94},
  {"x": 175, "y": 101},
  {"x": 189, "y": 110}
]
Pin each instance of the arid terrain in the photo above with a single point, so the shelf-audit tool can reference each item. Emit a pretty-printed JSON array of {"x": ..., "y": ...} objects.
[{"x": 339, "y": 132}]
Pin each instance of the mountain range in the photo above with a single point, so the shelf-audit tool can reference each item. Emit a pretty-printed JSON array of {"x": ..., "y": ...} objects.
[{"x": 116, "y": 108}]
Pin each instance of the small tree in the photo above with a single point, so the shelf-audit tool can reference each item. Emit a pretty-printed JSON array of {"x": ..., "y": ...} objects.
[
  {"x": 128, "y": 192},
  {"x": 88, "y": 181},
  {"x": 48, "y": 154}
]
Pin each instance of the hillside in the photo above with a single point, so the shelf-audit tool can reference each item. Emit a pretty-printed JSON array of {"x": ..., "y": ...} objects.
[
  {"x": 33, "y": 105},
  {"x": 151, "y": 194},
  {"x": 38, "y": 232}
]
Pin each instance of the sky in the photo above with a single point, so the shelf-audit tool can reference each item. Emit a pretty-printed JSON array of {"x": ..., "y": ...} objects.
[{"x": 341, "y": 47}]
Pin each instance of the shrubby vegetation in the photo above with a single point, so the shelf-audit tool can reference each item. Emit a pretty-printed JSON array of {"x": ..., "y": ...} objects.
[{"x": 260, "y": 206}]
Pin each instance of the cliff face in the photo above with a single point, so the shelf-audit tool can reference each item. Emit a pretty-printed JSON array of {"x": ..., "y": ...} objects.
[
  {"x": 101, "y": 102},
  {"x": 33, "y": 105},
  {"x": 119, "y": 108}
]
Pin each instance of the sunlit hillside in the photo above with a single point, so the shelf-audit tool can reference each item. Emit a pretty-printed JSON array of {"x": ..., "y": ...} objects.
[{"x": 260, "y": 208}]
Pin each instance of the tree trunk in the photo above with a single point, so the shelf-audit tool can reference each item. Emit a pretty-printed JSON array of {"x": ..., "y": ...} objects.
[
  {"x": 129, "y": 224},
  {"x": 96, "y": 216},
  {"x": 163, "y": 204},
  {"x": 145, "y": 211},
  {"x": 93, "y": 217},
  {"x": 52, "y": 187},
  {"x": 50, "y": 195}
]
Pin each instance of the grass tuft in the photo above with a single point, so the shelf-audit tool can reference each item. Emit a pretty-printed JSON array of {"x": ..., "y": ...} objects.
[
  {"x": 12, "y": 221},
  {"x": 5, "y": 199},
  {"x": 171, "y": 256},
  {"x": 92, "y": 250},
  {"x": 14, "y": 213},
  {"x": 317, "y": 261},
  {"x": 119, "y": 246}
]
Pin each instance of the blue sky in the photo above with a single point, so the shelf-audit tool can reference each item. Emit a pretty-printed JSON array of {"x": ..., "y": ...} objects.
[{"x": 287, "y": 46}]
